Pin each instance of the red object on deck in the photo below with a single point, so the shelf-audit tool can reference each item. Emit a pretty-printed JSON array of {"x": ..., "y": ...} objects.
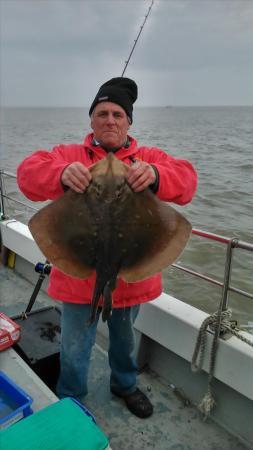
[{"x": 10, "y": 332}]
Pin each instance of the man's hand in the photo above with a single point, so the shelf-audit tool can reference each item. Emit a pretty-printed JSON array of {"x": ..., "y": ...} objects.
[
  {"x": 140, "y": 175},
  {"x": 76, "y": 176}
]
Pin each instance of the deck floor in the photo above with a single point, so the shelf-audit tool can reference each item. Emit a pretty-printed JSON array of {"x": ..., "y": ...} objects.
[{"x": 173, "y": 425}]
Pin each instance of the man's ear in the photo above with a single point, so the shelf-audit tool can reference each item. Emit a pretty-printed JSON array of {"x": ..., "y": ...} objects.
[{"x": 91, "y": 124}]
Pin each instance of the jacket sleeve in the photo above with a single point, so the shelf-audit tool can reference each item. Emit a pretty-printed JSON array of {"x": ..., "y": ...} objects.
[
  {"x": 177, "y": 177},
  {"x": 39, "y": 175}
]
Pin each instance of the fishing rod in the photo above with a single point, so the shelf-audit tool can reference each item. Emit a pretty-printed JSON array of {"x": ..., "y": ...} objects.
[{"x": 136, "y": 40}]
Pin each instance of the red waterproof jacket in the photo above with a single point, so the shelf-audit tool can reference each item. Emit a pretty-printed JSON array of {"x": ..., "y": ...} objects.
[{"x": 39, "y": 178}]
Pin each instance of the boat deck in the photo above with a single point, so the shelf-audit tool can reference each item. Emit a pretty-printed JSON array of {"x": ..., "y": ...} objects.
[{"x": 173, "y": 424}]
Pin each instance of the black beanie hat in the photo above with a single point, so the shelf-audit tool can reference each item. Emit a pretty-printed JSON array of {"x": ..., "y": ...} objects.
[{"x": 121, "y": 91}]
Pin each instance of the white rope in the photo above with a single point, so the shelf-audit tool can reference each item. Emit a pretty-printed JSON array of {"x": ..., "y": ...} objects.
[{"x": 221, "y": 323}]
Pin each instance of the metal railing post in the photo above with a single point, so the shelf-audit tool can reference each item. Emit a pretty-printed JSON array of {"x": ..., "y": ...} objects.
[
  {"x": 2, "y": 208},
  {"x": 227, "y": 272}
]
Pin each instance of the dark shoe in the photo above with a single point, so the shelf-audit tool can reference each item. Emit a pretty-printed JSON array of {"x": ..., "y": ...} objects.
[{"x": 137, "y": 403}]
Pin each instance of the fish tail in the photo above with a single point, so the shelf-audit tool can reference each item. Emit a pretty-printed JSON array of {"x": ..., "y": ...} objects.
[
  {"x": 104, "y": 287},
  {"x": 107, "y": 295},
  {"x": 107, "y": 306},
  {"x": 98, "y": 291}
]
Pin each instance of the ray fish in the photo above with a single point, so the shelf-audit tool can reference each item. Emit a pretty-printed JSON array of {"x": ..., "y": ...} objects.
[{"x": 110, "y": 230}]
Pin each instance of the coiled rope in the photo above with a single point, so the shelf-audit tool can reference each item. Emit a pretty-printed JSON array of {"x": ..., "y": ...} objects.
[{"x": 221, "y": 323}]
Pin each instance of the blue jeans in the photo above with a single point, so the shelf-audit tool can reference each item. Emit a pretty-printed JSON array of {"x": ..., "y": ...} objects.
[{"x": 77, "y": 340}]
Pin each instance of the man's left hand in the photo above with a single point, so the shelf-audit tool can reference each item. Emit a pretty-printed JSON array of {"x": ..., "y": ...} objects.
[{"x": 140, "y": 175}]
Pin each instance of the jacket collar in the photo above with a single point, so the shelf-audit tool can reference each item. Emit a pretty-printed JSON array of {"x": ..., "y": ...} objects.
[{"x": 123, "y": 152}]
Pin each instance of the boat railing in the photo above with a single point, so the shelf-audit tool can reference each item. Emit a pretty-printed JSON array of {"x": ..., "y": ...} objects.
[{"x": 232, "y": 243}]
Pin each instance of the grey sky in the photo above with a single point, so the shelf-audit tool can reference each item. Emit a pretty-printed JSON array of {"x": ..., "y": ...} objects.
[{"x": 191, "y": 52}]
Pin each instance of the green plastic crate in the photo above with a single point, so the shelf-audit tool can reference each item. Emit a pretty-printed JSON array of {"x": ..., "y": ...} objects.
[{"x": 60, "y": 426}]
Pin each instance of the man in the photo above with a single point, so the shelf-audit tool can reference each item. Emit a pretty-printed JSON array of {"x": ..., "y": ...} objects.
[{"x": 46, "y": 175}]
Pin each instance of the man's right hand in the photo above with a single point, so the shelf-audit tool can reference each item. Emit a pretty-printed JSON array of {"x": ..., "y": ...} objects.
[{"x": 76, "y": 176}]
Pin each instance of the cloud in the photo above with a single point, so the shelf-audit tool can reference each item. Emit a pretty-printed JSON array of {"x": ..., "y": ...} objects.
[{"x": 57, "y": 52}]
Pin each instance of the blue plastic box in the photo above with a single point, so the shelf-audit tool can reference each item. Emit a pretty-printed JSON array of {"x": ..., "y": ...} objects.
[{"x": 14, "y": 402}]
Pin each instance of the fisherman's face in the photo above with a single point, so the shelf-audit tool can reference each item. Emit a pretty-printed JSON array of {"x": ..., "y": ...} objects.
[{"x": 110, "y": 125}]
